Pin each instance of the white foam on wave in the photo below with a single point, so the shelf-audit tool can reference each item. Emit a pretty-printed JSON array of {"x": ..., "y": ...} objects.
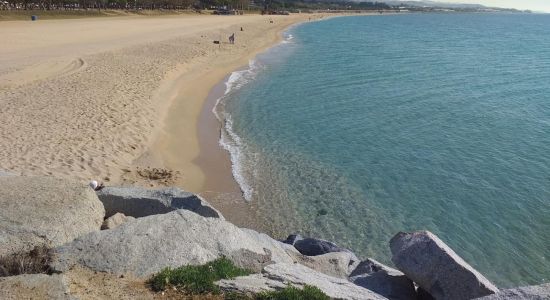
[
  {"x": 236, "y": 80},
  {"x": 287, "y": 38},
  {"x": 229, "y": 140}
]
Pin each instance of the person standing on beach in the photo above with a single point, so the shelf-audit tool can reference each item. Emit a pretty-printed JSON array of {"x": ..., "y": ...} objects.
[{"x": 232, "y": 39}]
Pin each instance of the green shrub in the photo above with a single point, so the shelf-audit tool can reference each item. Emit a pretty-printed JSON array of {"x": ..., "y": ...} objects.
[
  {"x": 197, "y": 279},
  {"x": 293, "y": 293}
]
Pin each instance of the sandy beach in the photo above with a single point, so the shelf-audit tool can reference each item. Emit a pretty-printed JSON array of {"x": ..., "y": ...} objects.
[{"x": 120, "y": 99}]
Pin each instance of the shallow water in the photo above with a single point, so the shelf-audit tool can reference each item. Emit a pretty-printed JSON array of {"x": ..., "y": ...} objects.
[{"x": 356, "y": 128}]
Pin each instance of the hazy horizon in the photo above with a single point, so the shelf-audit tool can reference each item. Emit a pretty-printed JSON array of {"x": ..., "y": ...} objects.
[{"x": 535, "y": 5}]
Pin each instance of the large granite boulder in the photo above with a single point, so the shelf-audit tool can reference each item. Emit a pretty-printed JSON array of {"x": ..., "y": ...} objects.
[
  {"x": 146, "y": 245},
  {"x": 279, "y": 276},
  {"x": 34, "y": 286},
  {"x": 36, "y": 211},
  {"x": 311, "y": 246},
  {"x": 383, "y": 280},
  {"x": 337, "y": 264},
  {"x": 435, "y": 267},
  {"x": 139, "y": 202},
  {"x": 535, "y": 292}
]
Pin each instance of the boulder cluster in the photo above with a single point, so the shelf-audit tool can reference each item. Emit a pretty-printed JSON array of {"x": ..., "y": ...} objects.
[{"x": 138, "y": 232}]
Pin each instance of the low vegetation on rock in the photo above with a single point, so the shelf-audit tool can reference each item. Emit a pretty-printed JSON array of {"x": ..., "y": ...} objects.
[
  {"x": 197, "y": 279},
  {"x": 34, "y": 262},
  {"x": 293, "y": 293}
]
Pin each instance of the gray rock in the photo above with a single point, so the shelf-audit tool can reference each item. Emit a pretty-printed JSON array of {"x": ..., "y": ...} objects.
[
  {"x": 115, "y": 220},
  {"x": 38, "y": 211},
  {"x": 146, "y": 245},
  {"x": 312, "y": 247},
  {"x": 34, "y": 286},
  {"x": 140, "y": 202},
  {"x": 279, "y": 276},
  {"x": 421, "y": 294},
  {"x": 291, "y": 239},
  {"x": 337, "y": 264},
  {"x": 383, "y": 280},
  {"x": 535, "y": 292},
  {"x": 435, "y": 267}
]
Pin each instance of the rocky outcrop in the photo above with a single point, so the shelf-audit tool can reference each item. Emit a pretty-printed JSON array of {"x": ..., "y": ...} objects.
[
  {"x": 140, "y": 202},
  {"x": 115, "y": 220},
  {"x": 535, "y": 292},
  {"x": 383, "y": 280},
  {"x": 429, "y": 262},
  {"x": 279, "y": 276},
  {"x": 38, "y": 211},
  {"x": 337, "y": 264},
  {"x": 147, "y": 245},
  {"x": 35, "y": 286}
]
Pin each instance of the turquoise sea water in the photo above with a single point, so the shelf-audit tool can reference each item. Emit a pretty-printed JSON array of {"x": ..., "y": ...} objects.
[{"x": 357, "y": 128}]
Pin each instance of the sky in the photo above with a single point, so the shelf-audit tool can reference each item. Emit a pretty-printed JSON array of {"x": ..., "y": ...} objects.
[{"x": 535, "y": 5}]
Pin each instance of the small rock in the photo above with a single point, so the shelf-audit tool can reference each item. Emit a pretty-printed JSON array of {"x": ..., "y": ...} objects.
[
  {"x": 115, "y": 220},
  {"x": 312, "y": 247},
  {"x": 435, "y": 267},
  {"x": 337, "y": 264},
  {"x": 383, "y": 280},
  {"x": 291, "y": 239}
]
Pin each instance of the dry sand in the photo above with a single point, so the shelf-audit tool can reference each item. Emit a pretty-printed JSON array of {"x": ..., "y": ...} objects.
[{"x": 85, "y": 98}]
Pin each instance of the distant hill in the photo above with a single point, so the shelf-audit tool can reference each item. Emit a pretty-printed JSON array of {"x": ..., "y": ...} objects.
[{"x": 435, "y": 4}]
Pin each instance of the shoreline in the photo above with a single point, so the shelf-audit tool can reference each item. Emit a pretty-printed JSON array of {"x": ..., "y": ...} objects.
[
  {"x": 207, "y": 166},
  {"x": 97, "y": 106},
  {"x": 122, "y": 104}
]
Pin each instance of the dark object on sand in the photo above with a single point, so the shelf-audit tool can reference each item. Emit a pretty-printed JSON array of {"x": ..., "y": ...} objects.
[
  {"x": 217, "y": 42},
  {"x": 242, "y": 29},
  {"x": 232, "y": 39},
  {"x": 223, "y": 12},
  {"x": 34, "y": 18}
]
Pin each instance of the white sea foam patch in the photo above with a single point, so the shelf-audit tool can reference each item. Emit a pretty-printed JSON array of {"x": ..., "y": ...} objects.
[
  {"x": 287, "y": 38},
  {"x": 231, "y": 142},
  {"x": 236, "y": 80}
]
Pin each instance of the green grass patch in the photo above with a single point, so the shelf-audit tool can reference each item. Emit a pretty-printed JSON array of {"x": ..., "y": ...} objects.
[
  {"x": 197, "y": 279},
  {"x": 293, "y": 293}
]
